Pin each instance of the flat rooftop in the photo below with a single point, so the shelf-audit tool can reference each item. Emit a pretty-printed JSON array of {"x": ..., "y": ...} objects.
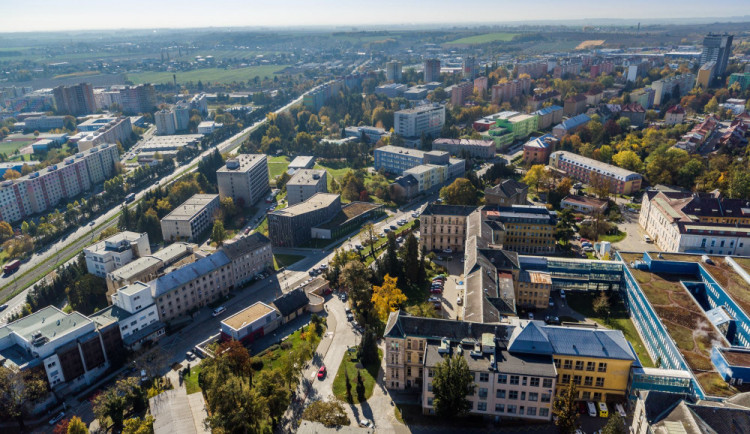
[
  {"x": 349, "y": 212},
  {"x": 317, "y": 201},
  {"x": 191, "y": 207},
  {"x": 50, "y": 321},
  {"x": 242, "y": 163},
  {"x": 306, "y": 177},
  {"x": 248, "y": 315},
  {"x": 301, "y": 161}
]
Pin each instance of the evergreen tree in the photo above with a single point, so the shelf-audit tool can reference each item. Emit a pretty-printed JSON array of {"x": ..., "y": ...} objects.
[
  {"x": 412, "y": 263},
  {"x": 566, "y": 410},
  {"x": 452, "y": 383}
]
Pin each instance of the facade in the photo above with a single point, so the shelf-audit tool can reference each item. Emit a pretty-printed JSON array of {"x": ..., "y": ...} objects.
[
  {"x": 114, "y": 252},
  {"x": 369, "y": 134},
  {"x": 644, "y": 96},
  {"x": 701, "y": 133},
  {"x": 315, "y": 99},
  {"x": 443, "y": 227},
  {"x": 244, "y": 179},
  {"x": 397, "y": 160},
  {"x": 510, "y": 89},
  {"x": 75, "y": 100},
  {"x": 393, "y": 70},
  {"x": 208, "y": 127},
  {"x": 705, "y": 222},
  {"x": 549, "y": 116},
  {"x": 166, "y": 123},
  {"x": 480, "y": 85},
  {"x": 635, "y": 112},
  {"x": 743, "y": 78},
  {"x": 42, "y": 190},
  {"x": 94, "y": 132},
  {"x": 706, "y": 74},
  {"x": 484, "y": 149},
  {"x": 292, "y": 304},
  {"x": 200, "y": 102},
  {"x": 291, "y": 226},
  {"x": 350, "y": 218},
  {"x": 575, "y": 105},
  {"x": 537, "y": 150},
  {"x": 190, "y": 219},
  {"x": 621, "y": 181},
  {"x": 519, "y": 124},
  {"x": 532, "y": 289},
  {"x": 717, "y": 48},
  {"x": 43, "y": 123},
  {"x": 302, "y": 162},
  {"x": 431, "y": 70},
  {"x": 134, "y": 311},
  {"x": 148, "y": 268},
  {"x": 250, "y": 323},
  {"x": 460, "y": 92},
  {"x": 535, "y": 69},
  {"x": 138, "y": 99},
  {"x": 250, "y": 255},
  {"x": 584, "y": 204},
  {"x": 304, "y": 184},
  {"x": 665, "y": 88},
  {"x": 470, "y": 68},
  {"x": 524, "y": 228},
  {"x": 72, "y": 350},
  {"x": 391, "y": 90},
  {"x": 594, "y": 97},
  {"x": 675, "y": 115},
  {"x": 508, "y": 192},
  {"x": 413, "y": 122}
]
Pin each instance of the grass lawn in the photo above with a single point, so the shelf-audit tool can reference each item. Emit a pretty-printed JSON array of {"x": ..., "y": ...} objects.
[
  {"x": 582, "y": 302},
  {"x": 619, "y": 236},
  {"x": 277, "y": 165},
  {"x": 211, "y": 75},
  {"x": 272, "y": 355},
  {"x": 485, "y": 38},
  {"x": 350, "y": 364},
  {"x": 8, "y": 148},
  {"x": 282, "y": 260},
  {"x": 191, "y": 381}
]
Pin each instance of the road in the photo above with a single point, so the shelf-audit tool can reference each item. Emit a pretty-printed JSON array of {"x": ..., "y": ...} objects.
[{"x": 46, "y": 259}]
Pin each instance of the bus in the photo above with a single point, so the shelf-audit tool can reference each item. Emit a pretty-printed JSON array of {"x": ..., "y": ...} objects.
[
  {"x": 129, "y": 198},
  {"x": 11, "y": 267}
]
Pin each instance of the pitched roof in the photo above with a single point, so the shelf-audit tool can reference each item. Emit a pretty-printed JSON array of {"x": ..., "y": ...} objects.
[
  {"x": 437, "y": 209},
  {"x": 245, "y": 244},
  {"x": 508, "y": 188},
  {"x": 291, "y": 301},
  {"x": 400, "y": 324},
  {"x": 188, "y": 273},
  {"x": 530, "y": 339},
  {"x": 600, "y": 343}
]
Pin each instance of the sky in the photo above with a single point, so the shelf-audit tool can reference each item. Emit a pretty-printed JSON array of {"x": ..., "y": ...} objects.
[{"x": 41, "y": 15}]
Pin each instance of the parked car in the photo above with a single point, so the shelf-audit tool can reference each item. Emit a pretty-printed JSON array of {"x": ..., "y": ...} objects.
[
  {"x": 434, "y": 299},
  {"x": 364, "y": 423},
  {"x": 415, "y": 214},
  {"x": 448, "y": 250},
  {"x": 531, "y": 315},
  {"x": 459, "y": 301},
  {"x": 394, "y": 227},
  {"x": 647, "y": 239},
  {"x": 603, "y": 410},
  {"x": 57, "y": 418},
  {"x": 189, "y": 355},
  {"x": 219, "y": 310},
  {"x": 549, "y": 319},
  {"x": 400, "y": 240},
  {"x": 591, "y": 408},
  {"x": 322, "y": 372},
  {"x": 3, "y": 307},
  {"x": 620, "y": 410}
]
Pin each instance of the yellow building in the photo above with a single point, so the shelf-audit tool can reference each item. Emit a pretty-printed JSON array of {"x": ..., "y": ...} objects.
[
  {"x": 532, "y": 289},
  {"x": 527, "y": 228}
]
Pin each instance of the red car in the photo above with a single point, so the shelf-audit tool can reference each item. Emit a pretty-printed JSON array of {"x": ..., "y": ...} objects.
[{"x": 321, "y": 372}]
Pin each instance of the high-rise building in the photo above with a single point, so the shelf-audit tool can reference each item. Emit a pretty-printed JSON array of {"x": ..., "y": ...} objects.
[
  {"x": 393, "y": 71},
  {"x": 304, "y": 184},
  {"x": 181, "y": 116},
  {"x": 244, "y": 179},
  {"x": 166, "y": 124},
  {"x": 717, "y": 48},
  {"x": 470, "y": 68},
  {"x": 706, "y": 75},
  {"x": 75, "y": 100},
  {"x": 425, "y": 119},
  {"x": 460, "y": 92},
  {"x": 138, "y": 99},
  {"x": 431, "y": 70}
]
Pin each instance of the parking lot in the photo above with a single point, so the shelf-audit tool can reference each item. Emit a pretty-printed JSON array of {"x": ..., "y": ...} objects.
[{"x": 449, "y": 299}]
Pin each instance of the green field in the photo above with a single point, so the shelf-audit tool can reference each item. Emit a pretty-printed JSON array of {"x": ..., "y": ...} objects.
[
  {"x": 350, "y": 365},
  {"x": 277, "y": 165},
  {"x": 485, "y": 38},
  {"x": 210, "y": 75},
  {"x": 8, "y": 148},
  {"x": 191, "y": 381}
]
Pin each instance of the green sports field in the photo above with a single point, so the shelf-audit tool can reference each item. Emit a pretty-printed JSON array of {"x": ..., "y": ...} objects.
[
  {"x": 210, "y": 75},
  {"x": 485, "y": 38}
]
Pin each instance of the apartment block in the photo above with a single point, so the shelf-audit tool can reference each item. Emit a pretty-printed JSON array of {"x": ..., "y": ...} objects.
[
  {"x": 134, "y": 311},
  {"x": 190, "y": 219},
  {"x": 292, "y": 226},
  {"x": 304, "y": 184},
  {"x": 532, "y": 289},
  {"x": 570, "y": 126},
  {"x": 250, "y": 255},
  {"x": 484, "y": 149},
  {"x": 244, "y": 179},
  {"x": 675, "y": 115},
  {"x": 75, "y": 100},
  {"x": 705, "y": 75},
  {"x": 510, "y": 89},
  {"x": 148, "y": 267},
  {"x": 506, "y": 193},
  {"x": 393, "y": 70},
  {"x": 665, "y": 88},
  {"x": 431, "y": 70},
  {"x": 94, "y": 132},
  {"x": 743, "y": 78},
  {"x": 42, "y": 190},
  {"x": 165, "y": 121},
  {"x": 396, "y": 160},
  {"x": 460, "y": 92},
  {"x": 114, "y": 252},
  {"x": 426, "y": 119},
  {"x": 621, "y": 181},
  {"x": 717, "y": 48},
  {"x": 575, "y": 105},
  {"x": 534, "y": 69},
  {"x": 443, "y": 227},
  {"x": 138, "y": 99},
  {"x": 523, "y": 228},
  {"x": 549, "y": 116}
]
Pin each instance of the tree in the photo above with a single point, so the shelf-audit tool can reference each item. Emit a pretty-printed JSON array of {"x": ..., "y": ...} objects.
[
  {"x": 600, "y": 185},
  {"x": 425, "y": 310},
  {"x": 565, "y": 227},
  {"x": 369, "y": 230},
  {"x": 459, "y": 192},
  {"x": 87, "y": 293},
  {"x": 712, "y": 106},
  {"x": 452, "y": 383},
  {"x": 16, "y": 390},
  {"x": 367, "y": 352},
  {"x": 276, "y": 394},
  {"x": 116, "y": 400},
  {"x": 566, "y": 410},
  {"x": 601, "y": 305},
  {"x": 628, "y": 160},
  {"x": 6, "y": 230},
  {"x": 77, "y": 426},
  {"x": 614, "y": 425},
  {"x": 329, "y": 413},
  {"x": 11, "y": 174},
  {"x": 234, "y": 406},
  {"x": 537, "y": 175},
  {"x": 218, "y": 234},
  {"x": 412, "y": 263},
  {"x": 387, "y": 297}
]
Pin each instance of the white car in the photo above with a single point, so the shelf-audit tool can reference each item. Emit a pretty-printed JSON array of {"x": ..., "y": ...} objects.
[
  {"x": 620, "y": 410},
  {"x": 57, "y": 418},
  {"x": 219, "y": 310},
  {"x": 448, "y": 250},
  {"x": 364, "y": 423}
]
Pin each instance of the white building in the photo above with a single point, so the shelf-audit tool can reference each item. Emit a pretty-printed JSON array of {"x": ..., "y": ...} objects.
[
  {"x": 244, "y": 178},
  {"x": 304, "y": 184},
  {"x": 426, "y": 119},
  {"x": 134, "y": 310},
  {"x": 116, "y": 251},
  {"x": 208, "y": 127},
  {"x": 166, "y": 124},
  {"x": 200, "y": 102},
  {"x": 101, "y": 130},
  {"x": 191, "y": 218}
]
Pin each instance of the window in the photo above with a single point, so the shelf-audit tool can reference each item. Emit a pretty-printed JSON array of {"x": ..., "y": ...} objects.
[
  {"x": 533, "y": 396},
  {"x": 599, "y": 381},
  {"x": 602, "y": 367},
  {"x": 577, "y": 379},
  {"x": 534, "y": 382},
  {"x": 544, "y": 412},
  {"x": 579, "y": 365},
  {"x": 568, "y": 364},
  {"x": 547, "y": 383},
  {"x": 514, "y": 379},
  {"x": 565, "y": 379},
  {"x": 546, "y": 397},
  {"x": 484, "y": 377},
  {"x": 523, "y": 396},
  {"x": 531, "y": 411},
  {"x": 588, "y": 381},
  {"x": 586, "y": 395},
  {"x": 499, "y": 408},
  {"x": 429, "y": 387},
  {"x": 597, "y": 396},
  {"x": 511, "y": 409},
  {"x": 513, "y": 394},
  {"x": 590, "y": 366},
  {"x": 482, "y": 393},
  {"x": 429, "y": 373},
  {"x": 502, "y": 379},
  {"x": 500, "y": 393},
  {"x": 481, "y": 406},
  {"x": 429, "y": 402}
]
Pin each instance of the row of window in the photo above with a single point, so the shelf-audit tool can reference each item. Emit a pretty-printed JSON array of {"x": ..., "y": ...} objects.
[
  {"x": 587, "y": 381},
  {"x": 508, "y": 409},
  {"x": 579, "y": 365}
]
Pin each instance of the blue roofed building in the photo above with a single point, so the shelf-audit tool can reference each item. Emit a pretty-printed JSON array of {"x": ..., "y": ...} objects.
[
  {"x": 549, "y": 116},
  {"x": 570, "y": 126}
]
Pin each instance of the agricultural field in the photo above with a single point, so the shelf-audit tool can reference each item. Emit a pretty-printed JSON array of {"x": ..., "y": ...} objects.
[
  {"x": 585, "y": 45},
  {"x": 210, "y": 75},
  {"x": 485, "y": 38}
]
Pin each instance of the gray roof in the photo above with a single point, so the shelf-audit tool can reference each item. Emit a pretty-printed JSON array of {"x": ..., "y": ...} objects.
[
  {"x": 188, "y": 273},
  {"x": 573, "y": 341},
  {"x": 301, "y": 161},
  {"x": 316, "y": 201},
  {"x": 400, "y": 324},
  {"x": 291, "y": 301},
  {"x": 50, "y": 321},
  {"x": 306, "y": 177},
  {"x": 508, "y": 188},
  {"x": 244, "y": 245},
  {"x": 437, "y": 209}
]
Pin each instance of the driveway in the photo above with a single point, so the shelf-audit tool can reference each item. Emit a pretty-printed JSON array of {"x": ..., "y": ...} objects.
[{"x": 633, "y": 241}]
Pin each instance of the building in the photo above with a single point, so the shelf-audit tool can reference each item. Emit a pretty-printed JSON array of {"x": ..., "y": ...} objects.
[
  {"x": 250, "y": 323},
  {"x": 416, "y": 93},
  {"x": 507, "y": 90},
  {"x": 534, "y": 69},
  {"x": 480, "y": 85},
  {"x": 584, "y": 204},
  {"x": 393, "y": 71},
  {"x": 190, "y": 219},
  {"x": 524, "y": 228},
  {"x": 675, "y": 115},
  {"x": 443, "y": 227},
  {"x": 244, "y": 178},
  {"x": 193, "y": 286},
  {"x": 200, "y": 102},
  {"x": 43, "y": 123},
  {"x": 594, "y": 97},
  {"x": 16, "y": 165},
  {"x": 736, "y": 105},
  {"x": 635, "y": 112},
  {"x": 702, "y": 222},
  {"x": 574, "y": 105},
  {"x": 743, "y": 78},
  {"x": 460, "y": 92},
  {"x": 208, "y": 127},
  {"x": 350, "y": 218},
  {"x": 114, "y": 252},
  {"x": 250, "y": 255},
  {"x": 706, "y": 75},
  {"x": 134, "y": 311},
  {"x": 75, "y": 100},
  {"x": 42, "y": 190},
  {"x": 532, "y": 289},
  {"x": 570, "y": 126},
  {"x": 537, "y": 150},
  {"x": 404, "y": 188},
  {"x": 621, "y": 181},
  {"x": 549, "y": 116},
  {"x": 717, "y": 48},
  {"x": 539, "y": 98},
  {"x": 148, "y": 268},
  {"x": 643, "y": 96},
  {"x": 304, "y": 184},
  {"x": 427, "y": 120},
  {"x": 470, "y": 68},
  {"x": 431, "y": 70},
  {"x": 292, "y": 226},
  {"x": 391, "y": 90},
  {"x": 484, "y": 149},
  {"x": 671, "y": 87},
  {"x": 566, "y": 70},
  {"x": 701, "y": 134},
  {"x": 397, "y": 160},
  {"x": 292, "y": 304},
  {"x": 520, "y": 125},
  {"x": 367, "y": 134},
  {"x": 166, "y": 123},
  {"x": 138, "y": 99},
  {"x": 98, "y": 131},
  {"x": 508, "y": 192},
  {"x": 315, "y": 99},
  {"x": 302, "y": 162},
  {"x": 72, "y": 350},
  {"x": 601, "y": 68}
]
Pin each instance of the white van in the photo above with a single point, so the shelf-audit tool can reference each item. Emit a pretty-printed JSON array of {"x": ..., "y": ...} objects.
[
  {"x": 648, "y": 239},
  {"x": 592, "y": 409}
]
